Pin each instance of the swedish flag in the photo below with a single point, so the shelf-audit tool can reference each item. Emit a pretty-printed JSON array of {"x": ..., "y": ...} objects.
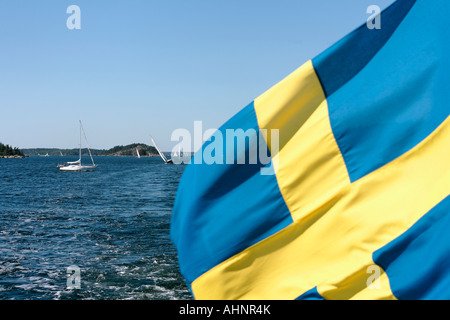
[{"x": 358, "y": 204}]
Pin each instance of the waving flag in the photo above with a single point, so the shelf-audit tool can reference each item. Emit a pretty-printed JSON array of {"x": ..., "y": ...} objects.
[{"x": 357, "y": 205}]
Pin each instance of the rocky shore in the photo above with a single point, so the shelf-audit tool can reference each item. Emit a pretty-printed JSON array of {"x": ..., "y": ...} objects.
[{"x": 12, "y": 157}]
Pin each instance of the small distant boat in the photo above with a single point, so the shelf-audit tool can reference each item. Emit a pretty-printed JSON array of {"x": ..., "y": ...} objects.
[
  {"x": 179, "y": 154},
  {"x": 163, "y": 156},
  {"x": 76, "y": 165},
  {"x": 137, "y": 151}
]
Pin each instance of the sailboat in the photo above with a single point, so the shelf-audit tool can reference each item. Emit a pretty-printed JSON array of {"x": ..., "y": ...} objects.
[
  {"x": 137, "y": 151},
  {"x": 163, "y": 156},
  {"x": 175, "y": 154},
  {"x": 76, "y": 165}
]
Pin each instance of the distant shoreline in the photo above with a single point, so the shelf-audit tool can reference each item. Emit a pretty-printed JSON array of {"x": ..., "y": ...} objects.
[
  {"x": 123, "y": 155},
  {"x": 76, "y": 155},
  {"x": 135, "y": 149}
]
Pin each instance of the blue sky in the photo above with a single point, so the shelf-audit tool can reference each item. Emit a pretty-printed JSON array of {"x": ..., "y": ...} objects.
[{"x": 141, "y": 67}]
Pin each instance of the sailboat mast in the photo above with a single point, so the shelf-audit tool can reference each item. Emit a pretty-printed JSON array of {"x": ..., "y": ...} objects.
[
  {"x": 80, "y": 141},
  {"x": 89, "y": 149}
]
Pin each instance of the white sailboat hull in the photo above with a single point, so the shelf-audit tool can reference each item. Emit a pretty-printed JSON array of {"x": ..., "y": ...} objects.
[{"x": 77, "y": 168}]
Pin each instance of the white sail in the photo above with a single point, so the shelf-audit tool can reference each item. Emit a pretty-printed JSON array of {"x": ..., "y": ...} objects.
[
  {"x": 137, "y": 151},
  {"x": 159, "y": 150},
  {"x": 163, "y": 156},
  {"x": 75, "y": 162}
]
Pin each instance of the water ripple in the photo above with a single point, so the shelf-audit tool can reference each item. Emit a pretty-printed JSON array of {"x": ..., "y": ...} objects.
[{"x": 112, "y": 223}]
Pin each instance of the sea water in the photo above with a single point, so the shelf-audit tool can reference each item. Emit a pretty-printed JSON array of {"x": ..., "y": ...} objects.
[{"x": 111, "y": 224}]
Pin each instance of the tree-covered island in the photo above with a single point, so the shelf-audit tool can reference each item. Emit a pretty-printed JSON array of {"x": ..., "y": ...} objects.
[{"x": 6, "y": 151}]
